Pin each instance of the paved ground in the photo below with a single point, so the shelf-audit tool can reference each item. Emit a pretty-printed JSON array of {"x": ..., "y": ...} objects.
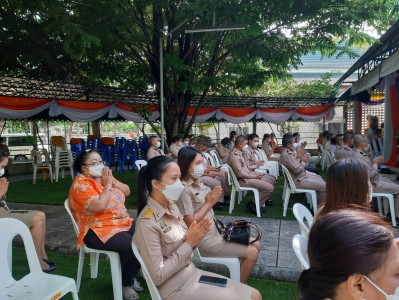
[{"x": 277, "y": 259}]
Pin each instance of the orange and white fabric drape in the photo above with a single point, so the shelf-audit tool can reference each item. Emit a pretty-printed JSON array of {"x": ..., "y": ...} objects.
[{"x": 84, "y": 111}]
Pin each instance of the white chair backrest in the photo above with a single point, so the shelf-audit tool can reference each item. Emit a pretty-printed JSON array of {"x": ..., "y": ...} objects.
[
  {"x": 258, "y": 156},
  {"x": 263, "y": 154},
  {"x": 216, "y": 158},
  {"x": 301, "y": 213},
  {"x": 300, "y": 245},
  {"x": 9, "y": 228},
  {"x": 75, "y": 226},
  {"x": 150, "y": 283},
  {"x": 140, "y": 163},
  {"x": 288, "y": 178},
  {"x": 233, "y": 176},
  {"x": 209, "y": 158},
  {"x": 321, "y": 148}
]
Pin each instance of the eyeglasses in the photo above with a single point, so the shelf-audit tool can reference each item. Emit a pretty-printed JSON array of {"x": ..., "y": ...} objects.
[{"x": 96, "y": 163}]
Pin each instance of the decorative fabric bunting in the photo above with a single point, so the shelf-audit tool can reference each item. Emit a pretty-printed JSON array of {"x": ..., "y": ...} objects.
[{"x": 85, "y": 111}]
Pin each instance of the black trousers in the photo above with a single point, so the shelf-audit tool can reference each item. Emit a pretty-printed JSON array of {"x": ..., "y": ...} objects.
[{"x": 121, "y": 243}]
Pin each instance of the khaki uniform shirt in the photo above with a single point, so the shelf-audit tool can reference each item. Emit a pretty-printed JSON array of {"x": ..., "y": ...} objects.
[
  {"x": 153, "y": 152},
  {"x": 292, "y": 163},
  {"x": 223, "y": 152},
  {"x": 372, "y": 169},
  {"x": 174, "y": 149},
  {"x": 159, "y": 237},
  {"x": 237, "y": 162},
  {"x": 249, "y": 157},
  {"x": 343, "y": 152},
  {"x": 267, "y": 148}
]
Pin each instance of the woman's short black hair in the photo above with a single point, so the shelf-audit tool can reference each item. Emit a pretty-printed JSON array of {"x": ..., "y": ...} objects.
[
  {"x": 225, "y": 141},
  {"x": 184, "y": 159},
  {"x": 80, "y": 160}
]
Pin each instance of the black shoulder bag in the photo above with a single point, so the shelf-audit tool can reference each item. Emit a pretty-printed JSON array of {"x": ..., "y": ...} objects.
[{"x": 238, "y": 231}]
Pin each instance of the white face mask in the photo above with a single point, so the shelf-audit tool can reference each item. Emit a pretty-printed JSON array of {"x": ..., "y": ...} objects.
[
  {"x": 96, "y": 170},
  {"x": 255, "y": 145},
  {"x": 2, "y": 172},
  {"x": 158, "y": 144},
  {"x": 173, "y": 191},
  {"x": 395, "y": 296},
  {"x": 245, "y": 148},
  {"x": 186, "y": 143},
  {"x": 198, "y": 171}
]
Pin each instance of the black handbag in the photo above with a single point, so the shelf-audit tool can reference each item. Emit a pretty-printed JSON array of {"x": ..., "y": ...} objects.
[{"x": 238, "y": 231}]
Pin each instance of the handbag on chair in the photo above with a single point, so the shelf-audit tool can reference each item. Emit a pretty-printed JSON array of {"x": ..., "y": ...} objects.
[{"x": 238, "y": 232}]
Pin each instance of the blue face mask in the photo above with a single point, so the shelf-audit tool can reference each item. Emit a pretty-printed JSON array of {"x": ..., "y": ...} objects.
[{"x": 395, "y": 296}]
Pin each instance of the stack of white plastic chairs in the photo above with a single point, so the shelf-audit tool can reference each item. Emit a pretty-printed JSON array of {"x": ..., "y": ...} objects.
[{"x": 61, "y": 157}]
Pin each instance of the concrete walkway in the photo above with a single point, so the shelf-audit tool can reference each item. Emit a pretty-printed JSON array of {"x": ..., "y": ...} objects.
[{"x": 277, "y": 259}]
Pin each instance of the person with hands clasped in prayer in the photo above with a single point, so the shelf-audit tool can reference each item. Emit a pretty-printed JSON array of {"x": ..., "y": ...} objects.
[
  {"x": 166, "y": 245},
  {"x": 97, "y": 202},
  {"x": 196, "y": 203}
]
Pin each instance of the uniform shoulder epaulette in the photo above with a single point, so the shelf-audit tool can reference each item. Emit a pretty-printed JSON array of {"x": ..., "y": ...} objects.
[
  {"x": 235, "y": 153},
  {"x": 347, "y": 149},
  {"x": 184, "y": 182},
  {"x": 290, "y": 152},
  {"x": 148, "y": 213}
]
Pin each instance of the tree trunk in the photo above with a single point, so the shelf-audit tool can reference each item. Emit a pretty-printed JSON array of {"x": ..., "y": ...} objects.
[{"x": 95, "y": 127}]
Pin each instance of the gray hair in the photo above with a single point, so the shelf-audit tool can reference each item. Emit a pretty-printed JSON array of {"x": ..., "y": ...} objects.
[
  {"x": 239, "y": 139},
  {"x": 359, "y": 138}
]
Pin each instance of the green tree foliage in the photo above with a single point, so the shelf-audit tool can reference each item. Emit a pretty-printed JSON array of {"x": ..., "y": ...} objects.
[{"x": 116, "y": 42}]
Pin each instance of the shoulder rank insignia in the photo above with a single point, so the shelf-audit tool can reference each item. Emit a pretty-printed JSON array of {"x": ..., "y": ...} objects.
[
  {"x": 148, "y": 213},
  {"x": 184, "y": 182},
  {"x": 290, "y": 152},
  {"x": 347, "y": 149}
]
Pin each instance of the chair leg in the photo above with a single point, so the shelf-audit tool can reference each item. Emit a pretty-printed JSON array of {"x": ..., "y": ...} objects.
[
  {"x": 51, "y": 173},
  {"x": 94, "y": 264},
  {"x": 80, "y": 269},
  {"x": 116, "y": 273},
  {"x": 232, "y": 199},
  {"x": 234, "y": 271},
  {"x": 44, "y": 174},
  {"x": 379, "y": 205},
  {"x": 284, "y": 189},
  {"x": 314, "y": 202},
  {"x": 34, "y": 174},
  {"x": 286, "y": 199},
  {"x": 257, "y": 204},
  {"x": 392, "y": 209}
]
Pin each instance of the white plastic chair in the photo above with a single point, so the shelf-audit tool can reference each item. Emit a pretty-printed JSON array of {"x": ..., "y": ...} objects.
[
  {"x": 36, "y": 284},
  {"x": 116, "y": 271},
  {"x": 269, "y": 166},
  {"x": 237, "y": 188},
  {"x": 267, "y": 162},
  {"x": 325, "y": 161},
  {"x": 219, "y": 163},
  {"x": 140, "y": 163},
  {"x": 291, "y": 189},
  {"x": 300, "y": 245},
  {"x": 233, "y": 263},
  {"x": 41, "y": 161},
  {"x": 387, "y": 198},
  {"x": 151, "y": 285},
  {"x": 61, "y": 158},
  {"x": 301, "y": 213}
]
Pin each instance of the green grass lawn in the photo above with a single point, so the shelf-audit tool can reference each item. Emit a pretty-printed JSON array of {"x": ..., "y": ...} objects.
[
  {"x": 44, "y": 192},
  {"x": 101, "y": 287}
]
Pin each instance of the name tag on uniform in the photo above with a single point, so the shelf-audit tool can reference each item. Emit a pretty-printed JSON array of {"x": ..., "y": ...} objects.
[{"x": 167, "y": 229}]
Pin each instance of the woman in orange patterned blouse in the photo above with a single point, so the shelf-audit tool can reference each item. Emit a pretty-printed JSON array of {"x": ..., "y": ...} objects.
[{"x": 97, "y": 201}]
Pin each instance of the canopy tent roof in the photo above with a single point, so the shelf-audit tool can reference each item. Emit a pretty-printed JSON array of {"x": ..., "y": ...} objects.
[
  {"x": 378, "y": 61},
  {"x": 24, "y": 98}
]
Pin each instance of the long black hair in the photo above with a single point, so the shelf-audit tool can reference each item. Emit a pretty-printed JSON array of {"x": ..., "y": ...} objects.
[
  {"x": 185, "y": 158},
  {"x": 80, "y": 160},
  {"x": 154, "y": 169}
]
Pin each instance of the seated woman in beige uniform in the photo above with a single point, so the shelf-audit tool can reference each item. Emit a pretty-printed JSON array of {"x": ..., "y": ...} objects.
[
  {"x": 165, "y": 243},
  {"x": 195, "y": 203},
  {"x": 33, "y": 219}
]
